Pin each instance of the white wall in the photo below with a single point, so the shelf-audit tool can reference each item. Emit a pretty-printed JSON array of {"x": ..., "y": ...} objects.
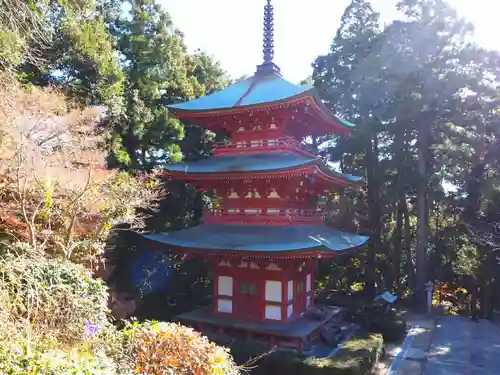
[
  {"x": 225, "y": 306},
  {"x": 308, "y": 282},
  {"x": 225, "y": 287},
  {"x": 273, "y": 267},
  {"x": 273, "y": 312},
  {"x": 273, "y": 291},
  {"x": 290, "y": 290}
]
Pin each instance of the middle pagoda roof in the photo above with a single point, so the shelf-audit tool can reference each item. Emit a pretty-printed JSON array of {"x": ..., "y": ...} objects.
[{"x": 265, "y": 164}]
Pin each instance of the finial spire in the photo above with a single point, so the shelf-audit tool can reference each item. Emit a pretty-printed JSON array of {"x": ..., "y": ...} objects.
[
  {"x": 268, "y": 33},
  {"x": 268, "y": 41}
]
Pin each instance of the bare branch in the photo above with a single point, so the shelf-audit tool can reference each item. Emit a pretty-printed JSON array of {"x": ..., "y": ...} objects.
[{"x": 52, "y": 182}]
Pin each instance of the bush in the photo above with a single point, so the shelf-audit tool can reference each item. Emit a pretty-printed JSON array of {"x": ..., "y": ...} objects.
[
  {"x": 356, "y": 357},
  {"x": 169, "y": 348},
  {"x": 51, "y": 299},
  {"x": 23, "y": 361},
  {"x": 392, "y": 328},
  {"x": 377, "y": 319}
]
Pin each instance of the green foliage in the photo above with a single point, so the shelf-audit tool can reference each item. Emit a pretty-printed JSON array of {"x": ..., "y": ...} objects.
[
  {"x": 10, "y": 48},
  {"x": 23, "y": 361},
  {"x": 426, "y": 113},
  {"x": 92, "y": 53},
  {"x": 159, "y": 72},
  {"x": 53, "y": 299},
  {"x": 392, "y": 327}
]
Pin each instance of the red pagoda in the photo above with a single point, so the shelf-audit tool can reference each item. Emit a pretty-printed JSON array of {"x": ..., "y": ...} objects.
[{"x": 266, "y": 235}]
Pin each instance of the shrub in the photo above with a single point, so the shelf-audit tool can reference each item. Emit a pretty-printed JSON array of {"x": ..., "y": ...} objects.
[
  {"x": 28, "y": 361},
  {"x": 357, "y": 356},
  {"x": 169, "y": 348},
  {"x": 51, "y": 299},
  {"x": 392, "y": 328},
  {"x": 374, "y": 318}
]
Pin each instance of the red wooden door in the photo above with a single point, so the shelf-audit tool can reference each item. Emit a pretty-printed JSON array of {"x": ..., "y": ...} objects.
[{"x": 249, "y": 299}]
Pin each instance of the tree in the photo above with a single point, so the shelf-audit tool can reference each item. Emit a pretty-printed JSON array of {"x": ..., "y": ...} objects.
[
  {"x": 341, "y": 77},
  {"x": 23, "y": 34},
  {"x": 55, "y": 194},
  {"x": 80, "y": 57},
  {"x": 423, "y": 99},
  {"x": 159, "y": 72}
]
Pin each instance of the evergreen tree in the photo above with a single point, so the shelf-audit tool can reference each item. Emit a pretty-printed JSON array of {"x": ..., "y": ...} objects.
[
  {"x": 159, "y": 71},
  {"x": 423, "y": 99}
]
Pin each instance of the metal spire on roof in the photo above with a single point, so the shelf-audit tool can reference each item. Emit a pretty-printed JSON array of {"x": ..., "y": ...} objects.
[
  {"x": 268, "y": 41},
  {"x": 268, "y": 33}
]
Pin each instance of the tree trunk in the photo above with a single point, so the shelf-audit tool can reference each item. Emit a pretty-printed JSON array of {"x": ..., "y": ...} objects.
[
  {"x": 371, "y": 160},
  {"x": 398, "y": 244},
  {"x": 422, "y": 215},
  {"x": 475, "y": 187},
  {"x": 407, "y": 246},
  {"x": 400, "y": 155}
]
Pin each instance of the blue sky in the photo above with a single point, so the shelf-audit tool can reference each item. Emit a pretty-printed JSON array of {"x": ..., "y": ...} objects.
[{"x": 231, "y": 30}]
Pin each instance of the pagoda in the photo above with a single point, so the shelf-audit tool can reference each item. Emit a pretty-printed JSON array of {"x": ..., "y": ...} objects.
[{"x": 266, "y": 235}]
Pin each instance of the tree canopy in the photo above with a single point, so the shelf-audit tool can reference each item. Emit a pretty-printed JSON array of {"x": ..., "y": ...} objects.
[{"x": 425, "y": 102}]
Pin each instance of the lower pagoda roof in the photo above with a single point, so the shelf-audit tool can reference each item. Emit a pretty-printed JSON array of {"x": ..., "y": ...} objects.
[
  {"x": 208, "y": 238},
  {"x": 255, "y": 164}
]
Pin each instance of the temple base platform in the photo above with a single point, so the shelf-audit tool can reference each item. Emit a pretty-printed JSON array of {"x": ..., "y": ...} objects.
[{"x": 304, "y": 335}]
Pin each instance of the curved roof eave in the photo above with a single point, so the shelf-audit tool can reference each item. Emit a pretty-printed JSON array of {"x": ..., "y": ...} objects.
[
  {"x": 256, "y": 164},
  {"x": 352, "y": 179},
  {"x": 243, "y": 107},
  {"x": 260, "y": 239},
  {"x": 255, "y": 92},
  {"x": 251, "y": 163}
]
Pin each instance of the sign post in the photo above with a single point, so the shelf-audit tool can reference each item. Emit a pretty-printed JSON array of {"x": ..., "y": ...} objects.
[{"x": 429, "y": 286}]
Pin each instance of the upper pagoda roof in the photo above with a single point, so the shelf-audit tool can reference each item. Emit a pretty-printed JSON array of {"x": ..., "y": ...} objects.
[
  {"x": 260, "y": 238},
  {"x": 258, "y": 89},
  {"x": 220, "y": 166},
  {"x": 265, "y": 88},
  {"x": 266, "y": 91}
]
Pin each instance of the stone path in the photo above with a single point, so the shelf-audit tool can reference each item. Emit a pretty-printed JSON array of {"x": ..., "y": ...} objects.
[
  {"x": 462, "y": 347},
  {"x": 409, "y": 358}
]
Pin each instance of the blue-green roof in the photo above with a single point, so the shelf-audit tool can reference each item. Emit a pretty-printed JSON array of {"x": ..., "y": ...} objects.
[
  {"x": 258, "y": 89},
  {"x": 242, "y": 163},
  {"x": 256, "y": 238},
  {"x": 254, "y": 163}
]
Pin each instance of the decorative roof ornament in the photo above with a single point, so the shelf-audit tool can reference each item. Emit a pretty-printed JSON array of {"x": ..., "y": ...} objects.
[
  {"x": 268, "y": 65},
  {"x": 268, "y": 33}
]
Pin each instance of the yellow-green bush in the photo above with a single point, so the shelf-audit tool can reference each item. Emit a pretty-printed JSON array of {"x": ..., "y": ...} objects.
[
  {"x": 25, "y": 360},
  {"x": 169, "y": 348}
]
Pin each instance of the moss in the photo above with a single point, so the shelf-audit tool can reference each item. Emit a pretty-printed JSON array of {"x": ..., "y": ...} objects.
[{"x": 356, "y": 357}]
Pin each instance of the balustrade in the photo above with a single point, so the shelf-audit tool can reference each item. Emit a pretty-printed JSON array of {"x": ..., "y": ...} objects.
[
  {"x": 264, "y": 216},
  {"x": 256, "y": 146}
]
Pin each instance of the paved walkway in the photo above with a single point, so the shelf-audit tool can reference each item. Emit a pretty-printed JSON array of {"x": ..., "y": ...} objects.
[
  {"x": 462, "y": 347},
  {"x": 409, "y": 357}
]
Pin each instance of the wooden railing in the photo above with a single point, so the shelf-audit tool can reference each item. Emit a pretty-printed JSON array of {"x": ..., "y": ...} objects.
[
  {"x": 264, "y": 216},
  {"x": 257, "y": 146}
]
